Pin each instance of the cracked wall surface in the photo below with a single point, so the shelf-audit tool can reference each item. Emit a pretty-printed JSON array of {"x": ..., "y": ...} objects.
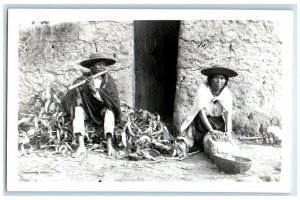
[
  {"x": 50, "y": 53},
  {"x": 253, "y": 49}
]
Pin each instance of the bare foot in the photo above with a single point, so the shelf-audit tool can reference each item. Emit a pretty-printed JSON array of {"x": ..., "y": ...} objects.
[
  {"x": 109, "y": 147},
  {"x": 79, "y": 151},
  {"x": 110, "y": 151}
]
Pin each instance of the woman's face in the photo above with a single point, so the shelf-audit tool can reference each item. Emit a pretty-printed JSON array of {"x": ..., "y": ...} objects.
[
  {"x": 218, "y": 82},
  {"x": 97, "y": 67}
]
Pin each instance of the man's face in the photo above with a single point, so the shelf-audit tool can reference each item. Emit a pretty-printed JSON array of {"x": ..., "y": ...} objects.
[{"x": 97, "y": 67}]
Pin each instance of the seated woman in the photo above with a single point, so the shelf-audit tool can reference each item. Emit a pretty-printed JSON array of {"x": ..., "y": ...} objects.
[{"x": 208, "y": 124}]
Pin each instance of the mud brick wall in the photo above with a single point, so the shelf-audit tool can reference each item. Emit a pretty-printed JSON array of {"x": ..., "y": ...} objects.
[
  {"x": 253, "y": 49},
  {"x": 50, "y": 53}
]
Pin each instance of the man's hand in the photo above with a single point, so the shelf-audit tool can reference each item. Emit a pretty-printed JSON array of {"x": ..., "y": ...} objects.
[
  {"x": 90, "y": 83},
  {"x": 78, "y": 101},
  {"x": 78, "y": 80}
]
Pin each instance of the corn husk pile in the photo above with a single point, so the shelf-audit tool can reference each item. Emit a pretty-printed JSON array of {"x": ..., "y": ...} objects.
[
  {"x": 142, "y": 134},
  {"x": 139, "y": 135},
  {"x": 44, "y": 125}
]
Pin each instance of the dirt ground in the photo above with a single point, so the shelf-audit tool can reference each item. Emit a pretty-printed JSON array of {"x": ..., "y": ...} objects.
[{"x": 95, "y": 166}]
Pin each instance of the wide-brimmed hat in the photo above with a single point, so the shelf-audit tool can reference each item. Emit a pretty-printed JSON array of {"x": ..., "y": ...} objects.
[
  {"x": 219, "y": 69},
  {"x": 97, "y": 57}
]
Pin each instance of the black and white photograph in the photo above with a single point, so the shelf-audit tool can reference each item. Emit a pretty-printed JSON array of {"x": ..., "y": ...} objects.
[{"x": 132, "y": 100}]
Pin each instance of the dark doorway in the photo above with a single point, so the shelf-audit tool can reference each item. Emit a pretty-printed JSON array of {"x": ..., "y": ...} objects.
[{"x": 156, "y": 51}]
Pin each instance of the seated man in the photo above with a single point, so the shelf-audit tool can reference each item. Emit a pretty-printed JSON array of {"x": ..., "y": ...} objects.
[{"x": 97, "y": 100}]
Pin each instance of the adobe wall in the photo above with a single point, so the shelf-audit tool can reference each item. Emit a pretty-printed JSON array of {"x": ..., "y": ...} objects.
[
  {"x": 253, "y": 49},
  {"x": 50, "y": 53}
]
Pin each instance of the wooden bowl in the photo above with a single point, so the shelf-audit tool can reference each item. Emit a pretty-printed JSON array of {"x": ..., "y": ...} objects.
[{"x": 232, "y": 164}]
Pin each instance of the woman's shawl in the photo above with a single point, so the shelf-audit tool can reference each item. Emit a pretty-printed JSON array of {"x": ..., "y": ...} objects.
[{"x": 202, "y": 98}]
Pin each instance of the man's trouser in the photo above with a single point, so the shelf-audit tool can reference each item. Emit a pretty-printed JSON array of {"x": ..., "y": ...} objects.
[{"x": 80, "y": 116}]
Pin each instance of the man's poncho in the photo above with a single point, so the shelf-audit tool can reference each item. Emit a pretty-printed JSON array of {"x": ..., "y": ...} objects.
[{"x": 108, "y": 92}]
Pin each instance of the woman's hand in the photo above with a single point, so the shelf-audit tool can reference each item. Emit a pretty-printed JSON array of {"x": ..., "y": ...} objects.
[
  {"x": 90, "y": 83},
  {"x": 220, "y": 135},
  {"x": 228, "y": 135},
  {"x": 216, "y": 134}
]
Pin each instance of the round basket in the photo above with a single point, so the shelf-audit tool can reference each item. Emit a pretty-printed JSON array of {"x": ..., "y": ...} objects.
[{"x": 232, "y": 164}]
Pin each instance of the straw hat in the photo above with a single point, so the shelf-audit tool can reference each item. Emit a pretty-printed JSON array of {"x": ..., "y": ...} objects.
[
  {"x": 219, "y": 69},
  {"x": 97, "y": 57}
]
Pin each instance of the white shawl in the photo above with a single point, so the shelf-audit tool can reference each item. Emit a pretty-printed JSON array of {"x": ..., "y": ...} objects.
[{"x": 202, "y": 98}]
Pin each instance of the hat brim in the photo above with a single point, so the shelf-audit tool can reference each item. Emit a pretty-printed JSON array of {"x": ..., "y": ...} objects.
[
  {"x": 89, "y": 62},
  {"x": 219, "y": 70}
]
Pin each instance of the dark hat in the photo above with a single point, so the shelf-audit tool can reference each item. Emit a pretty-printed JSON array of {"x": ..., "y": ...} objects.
[
  {"x": 97, "y": 57},
  {"x": 219, "y": 69}
]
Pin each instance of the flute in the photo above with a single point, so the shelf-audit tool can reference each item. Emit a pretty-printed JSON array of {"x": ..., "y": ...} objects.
[{"x": 84, "y": 81}]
